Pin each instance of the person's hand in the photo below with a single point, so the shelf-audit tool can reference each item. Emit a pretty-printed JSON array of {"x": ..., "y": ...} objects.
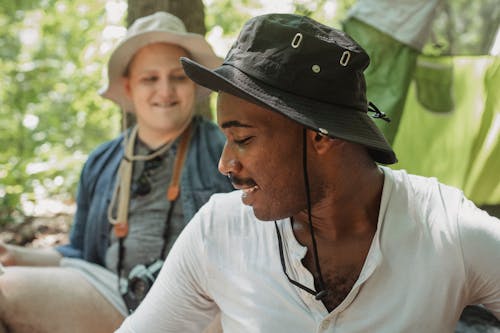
[
  {"x": 14, "y": 255},
  {"x": 7, "y": 254}
]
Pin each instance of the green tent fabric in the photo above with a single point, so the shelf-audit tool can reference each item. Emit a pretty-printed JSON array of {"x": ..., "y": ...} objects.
[
  {"x": 483, "y": 174},
  {"x": 389, "y": 74},
  {"x": 450, "y": 128},
  {"x": 445, "y": 111},
  {"x": 434, "y": 84}
]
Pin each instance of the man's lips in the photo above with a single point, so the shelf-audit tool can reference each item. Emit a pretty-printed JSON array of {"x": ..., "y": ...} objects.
[
  {"x": 164, "y": 106},
  {"x": 249, "y": 190},
  {"x": 247, "y": 185}
]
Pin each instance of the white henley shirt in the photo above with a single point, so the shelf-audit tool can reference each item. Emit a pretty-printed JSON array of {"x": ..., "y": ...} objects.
[{"x": 433, "y": 253}]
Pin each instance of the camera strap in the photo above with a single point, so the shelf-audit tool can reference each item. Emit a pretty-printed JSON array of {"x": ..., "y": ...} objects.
[
  {"x": 173, "y": 192},
  {"x": 121, "y": 194}
]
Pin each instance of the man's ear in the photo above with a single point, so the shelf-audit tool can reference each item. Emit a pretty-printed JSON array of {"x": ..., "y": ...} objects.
[{"x": 321, "y": 143}]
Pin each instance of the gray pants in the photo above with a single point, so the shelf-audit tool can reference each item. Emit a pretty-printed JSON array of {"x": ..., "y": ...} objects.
[{"x": 105, "y": 281}]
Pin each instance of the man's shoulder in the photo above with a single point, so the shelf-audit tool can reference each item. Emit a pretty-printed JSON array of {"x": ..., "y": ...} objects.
[
  {"x": 227, "y": 204},
  {"x": 229, "y": 229},
  {"x": 225, "y": 211},
  {"x": 207, "y": 140},
  {"x": 420, "y": 186},
  {"x": 107, "y": 148},
  {"x": 206, "y": 127},
  {"x": 204, "y": 122},
  {"x": 424, "y": 200},
  {"x": 104, "y": 159}
]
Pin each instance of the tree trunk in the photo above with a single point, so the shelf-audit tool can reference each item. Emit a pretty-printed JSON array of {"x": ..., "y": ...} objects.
[{"x": 191, "y": 12}]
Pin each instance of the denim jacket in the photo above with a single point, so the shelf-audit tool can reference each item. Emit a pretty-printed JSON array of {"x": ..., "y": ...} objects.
[{"x": 89, "y": 236}]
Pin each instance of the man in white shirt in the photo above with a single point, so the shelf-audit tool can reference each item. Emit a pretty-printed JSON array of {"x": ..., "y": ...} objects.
[{"x": 320, "y": 238}]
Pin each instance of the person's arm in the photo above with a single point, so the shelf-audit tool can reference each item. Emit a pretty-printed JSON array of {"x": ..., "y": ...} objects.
[
  {"x": 480, "y": 239},
  {"x": 178, "y": 300},
  {"x": 13, "y": 255},
  {"x": 74, "y": 249}
]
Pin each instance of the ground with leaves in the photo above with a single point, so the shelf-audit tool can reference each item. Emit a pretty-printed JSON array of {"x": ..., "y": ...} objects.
[{"x": 38, "y": 232}]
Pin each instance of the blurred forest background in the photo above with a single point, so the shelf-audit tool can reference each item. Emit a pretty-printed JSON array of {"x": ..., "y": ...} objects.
[
  {"x": 53, "y": 57},
  {"x": 52, "y": 64}
]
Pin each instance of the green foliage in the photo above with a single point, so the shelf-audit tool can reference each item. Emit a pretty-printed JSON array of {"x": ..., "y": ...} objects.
[
  {"x": 325, "y": 11},
  {"x": 51, "y": 67},
  {"x": 231, "y": 14},
  {"x": 227, "y": 14},
  {"x": 461, "y": 27},
  {"x": 52, "y": 116}
]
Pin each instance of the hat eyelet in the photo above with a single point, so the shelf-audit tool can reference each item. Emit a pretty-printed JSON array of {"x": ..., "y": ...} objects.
[
  {"x": 344, "y": 59},
  {"x": 316, "y": 68},
  {"x": 323, "y": 131},
  {"x": 297, "y": 39}
]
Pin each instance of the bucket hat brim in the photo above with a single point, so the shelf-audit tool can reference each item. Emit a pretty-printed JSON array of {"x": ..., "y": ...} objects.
[{"x": 333, "y": 120}]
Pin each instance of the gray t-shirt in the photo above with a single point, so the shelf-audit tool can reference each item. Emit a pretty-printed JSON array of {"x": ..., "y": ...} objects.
[{"x": 148, "y": 214}]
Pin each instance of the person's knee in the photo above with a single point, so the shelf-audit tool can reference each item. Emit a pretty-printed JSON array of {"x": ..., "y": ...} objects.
[
  {"x": 4, "y": 286},
  {"x": 32, "y": 299},
  {"x": 12, "y": 299}
]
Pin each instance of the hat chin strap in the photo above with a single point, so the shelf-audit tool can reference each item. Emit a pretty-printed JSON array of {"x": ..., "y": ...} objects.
[{"x": 322, "y": 292}]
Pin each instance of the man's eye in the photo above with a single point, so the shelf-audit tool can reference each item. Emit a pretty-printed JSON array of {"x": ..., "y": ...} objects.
[
  {"x": 179, "y": 78},
  {"x": 244, "y": 141},
  {"x": 149, "y": 78}
]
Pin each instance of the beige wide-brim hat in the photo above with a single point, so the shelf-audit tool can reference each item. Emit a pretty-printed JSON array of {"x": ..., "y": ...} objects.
[{"x": 160, "y": 27}]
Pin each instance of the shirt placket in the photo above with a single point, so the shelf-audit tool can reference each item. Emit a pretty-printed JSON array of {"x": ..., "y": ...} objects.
[{"x": 326, "y": 321}]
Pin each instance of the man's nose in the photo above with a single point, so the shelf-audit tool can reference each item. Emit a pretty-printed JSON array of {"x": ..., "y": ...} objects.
[
  {"x": 166, "y": 87},
  {"x": 228, "y": 163}
]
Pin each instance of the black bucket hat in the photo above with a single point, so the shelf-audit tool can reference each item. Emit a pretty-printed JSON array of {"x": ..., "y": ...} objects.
[{"x": 307, "y": 71}]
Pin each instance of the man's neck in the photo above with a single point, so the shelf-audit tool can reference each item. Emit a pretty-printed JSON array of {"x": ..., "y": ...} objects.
[
  {"x": 345, "y": 212},
  {"x": 344, "y": 227},
  {"x": 154, "y": 139}
]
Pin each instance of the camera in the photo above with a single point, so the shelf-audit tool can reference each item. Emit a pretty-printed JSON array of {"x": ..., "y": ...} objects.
[{"x": 139, "y": 281}]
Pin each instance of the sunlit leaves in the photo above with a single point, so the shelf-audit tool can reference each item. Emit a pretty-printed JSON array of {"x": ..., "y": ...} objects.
[{"x": 52, "y": 115}]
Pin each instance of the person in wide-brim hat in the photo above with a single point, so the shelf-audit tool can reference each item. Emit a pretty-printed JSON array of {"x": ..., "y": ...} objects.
[
  {"x": 136, "y": 192},
  {"x": 160, "y": 27}
]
